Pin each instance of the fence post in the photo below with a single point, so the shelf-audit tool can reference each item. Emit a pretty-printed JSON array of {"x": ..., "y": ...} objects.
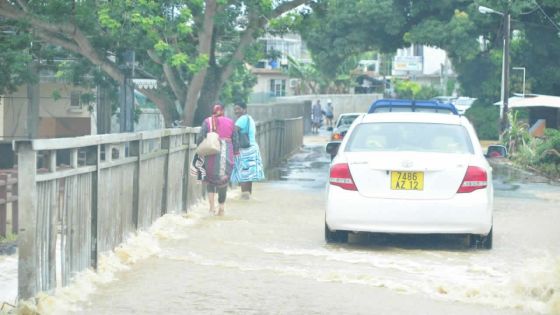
[
  {"x": 3, "y": 204},
  {"x": 93, "y": 157},
  {"x": 52, "y": 223},
  {"x": 27, "y": 247},
  {"x": 190, "y": 141},
  {"x": 15, "y": 207},
  {"x": 165, "y": 145},
  {"x": 135, "y": 150}
]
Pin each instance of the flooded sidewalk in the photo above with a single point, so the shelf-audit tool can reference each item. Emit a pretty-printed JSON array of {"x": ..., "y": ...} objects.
[{"x": 8, "y": 278}]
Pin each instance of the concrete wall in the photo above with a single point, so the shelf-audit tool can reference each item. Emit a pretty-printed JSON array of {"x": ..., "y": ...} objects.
[
  {"x": 342, "y": 103},
  {"x": 300, "y": 106},
  {"x": 149, "y": 119},
  {"x": 15, "y": 117}
]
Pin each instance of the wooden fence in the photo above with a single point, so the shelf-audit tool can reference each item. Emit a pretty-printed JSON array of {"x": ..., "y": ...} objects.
[
  {"x": 8, "y": 203},
  {"x": 86, "y": 194}
]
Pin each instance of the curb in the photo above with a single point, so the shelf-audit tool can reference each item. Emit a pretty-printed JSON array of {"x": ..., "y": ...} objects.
[{"x": 505, "y": 166}]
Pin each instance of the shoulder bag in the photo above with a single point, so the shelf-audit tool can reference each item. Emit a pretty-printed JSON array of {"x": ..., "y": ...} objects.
[
  {"x": 244, "y": 141},
  {"x": 211, "y": 144}
]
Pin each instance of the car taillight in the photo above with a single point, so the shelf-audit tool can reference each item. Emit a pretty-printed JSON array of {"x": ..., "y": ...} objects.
[
  {"x": 336, "y": 136},
  {"x": 340, "y": 176},
  {"x": 475, "y": 178}
]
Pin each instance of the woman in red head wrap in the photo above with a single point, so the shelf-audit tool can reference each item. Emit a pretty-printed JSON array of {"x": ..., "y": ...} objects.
[{"x": 218, "y": 167}]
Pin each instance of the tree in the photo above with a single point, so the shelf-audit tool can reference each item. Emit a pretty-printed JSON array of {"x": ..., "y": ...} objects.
[
  {"x": 13, "y": 63},
  {"x": 307, "y": 74},
  {"x": 334, "y": 30},
  {"x": 191, "y": 47}
]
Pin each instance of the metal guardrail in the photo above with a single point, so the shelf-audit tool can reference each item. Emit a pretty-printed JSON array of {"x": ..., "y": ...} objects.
[
  {"x": 8, "y": 202},
  {"x": 86, "y": 194}
]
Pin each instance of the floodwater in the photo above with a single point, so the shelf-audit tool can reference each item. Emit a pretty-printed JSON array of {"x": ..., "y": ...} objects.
[{"x": 268, "y": 256}]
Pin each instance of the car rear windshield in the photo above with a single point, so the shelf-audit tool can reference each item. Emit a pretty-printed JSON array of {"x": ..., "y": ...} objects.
[
  {"x": 409, "y": 136},
  {"x": 346, "y": 120}
]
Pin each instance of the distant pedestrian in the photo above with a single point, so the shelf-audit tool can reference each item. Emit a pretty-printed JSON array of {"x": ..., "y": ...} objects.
[
  {"x": 248, "y": 163},
  {"x": 218, "y": 167},
  {"x": 329, "y": 114},
  {"x": 316, "y": 117}
]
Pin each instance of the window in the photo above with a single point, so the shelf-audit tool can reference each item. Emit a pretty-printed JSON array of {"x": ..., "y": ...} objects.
[
  {"x": 277, "y": 87},
  {"x": 75, "y": 99},
  {"x": 404, "y": 136}
]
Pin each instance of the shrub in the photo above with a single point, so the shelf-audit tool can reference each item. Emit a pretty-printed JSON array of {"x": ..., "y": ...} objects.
[
  {"x": 485, "y": 120},
  {"x": 549, "y": 151}
]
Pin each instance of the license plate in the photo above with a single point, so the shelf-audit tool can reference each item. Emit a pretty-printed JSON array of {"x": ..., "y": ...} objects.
[{"x": 407, "y": 180}]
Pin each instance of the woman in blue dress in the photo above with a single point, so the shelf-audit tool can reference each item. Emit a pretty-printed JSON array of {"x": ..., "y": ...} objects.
[{"x": 248, "y": 166}]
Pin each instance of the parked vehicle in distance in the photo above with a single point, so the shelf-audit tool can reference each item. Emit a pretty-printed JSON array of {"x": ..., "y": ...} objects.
[
  {"x": 496, "y": 151},
  {"x": 410, "y": 173},
  {"x": 342, "y": 124}
]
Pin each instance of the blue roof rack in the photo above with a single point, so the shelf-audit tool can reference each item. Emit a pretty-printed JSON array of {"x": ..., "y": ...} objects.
[{"x": 404, "y": 105}]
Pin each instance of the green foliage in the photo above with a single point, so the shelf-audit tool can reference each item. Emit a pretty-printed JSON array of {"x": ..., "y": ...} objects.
[
  {"x": 179, "y": 59},
  {"x": 413, "y": 90},
  {"x": 549, "y": 151},
  {"x": 306, "y": 73},
  {"x": 15, "y": 56},
  {"x": 239, "y": 87},
  {"x": 517, "y": 135},
  {"x": 541, "y": 154},
  {"x": 161, "y": 33},
  {"x": 484, "y": 117},
  {"x": 336, "y": 29},
  {"x": 9, "y": 238}
]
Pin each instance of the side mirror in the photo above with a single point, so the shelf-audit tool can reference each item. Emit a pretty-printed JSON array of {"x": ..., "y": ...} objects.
[
  {"x": 332, "y": 148},
  {"x": 496, "y": 151}
]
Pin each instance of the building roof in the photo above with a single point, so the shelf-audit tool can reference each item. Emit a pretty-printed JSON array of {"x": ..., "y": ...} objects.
[{"x": 533, "y": 100}]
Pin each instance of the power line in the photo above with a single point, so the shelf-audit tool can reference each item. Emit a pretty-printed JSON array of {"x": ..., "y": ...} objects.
[{"x": 546, "y": 15}]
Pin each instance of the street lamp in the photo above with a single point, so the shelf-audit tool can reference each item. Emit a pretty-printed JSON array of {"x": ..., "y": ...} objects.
[
  {"x": 504, "y": 108},
  {"x": 523, "y": 69}
]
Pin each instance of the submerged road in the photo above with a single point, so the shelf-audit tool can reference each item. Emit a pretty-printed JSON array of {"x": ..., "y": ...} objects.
[{"x": 268, "y": 256}]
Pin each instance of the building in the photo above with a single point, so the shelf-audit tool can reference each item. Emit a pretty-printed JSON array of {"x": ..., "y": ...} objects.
[
  {"x": 425, "y": 65},
  {"x": 544, "y": 108},
  {"x": 62, "y": 112},
  {"x": 271, "y": 73}
]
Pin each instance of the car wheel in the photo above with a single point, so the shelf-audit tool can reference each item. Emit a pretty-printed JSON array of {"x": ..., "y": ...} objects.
[
  {"x": 482, "y": 241},
  {"x": 336, "y": 236},
  {"x": 486, "y": 241}
]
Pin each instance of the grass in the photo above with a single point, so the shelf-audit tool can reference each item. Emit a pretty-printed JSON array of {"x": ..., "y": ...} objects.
[{"x": 9, "y": 238}]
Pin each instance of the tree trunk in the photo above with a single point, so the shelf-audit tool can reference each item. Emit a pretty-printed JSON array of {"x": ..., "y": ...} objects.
[
  {"x": 104, "y": 111},
  {"x": 33, "y": 95},
  {"x": 209, "y": 94}
]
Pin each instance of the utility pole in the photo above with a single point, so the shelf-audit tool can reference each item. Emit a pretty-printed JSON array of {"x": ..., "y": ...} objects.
[{"x": 504, "y": 120}]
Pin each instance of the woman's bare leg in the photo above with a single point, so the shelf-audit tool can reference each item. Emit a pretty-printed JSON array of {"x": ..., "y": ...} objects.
[
  {"x": 222, "y": 193},
  {"x": 245, "y": 190},
  {"x": 211, "y": 202}
]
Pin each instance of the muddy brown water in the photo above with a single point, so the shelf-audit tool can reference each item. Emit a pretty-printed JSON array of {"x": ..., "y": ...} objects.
[{"x": 268, "y": 256}]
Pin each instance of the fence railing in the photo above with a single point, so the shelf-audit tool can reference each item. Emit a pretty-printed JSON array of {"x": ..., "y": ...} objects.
[
  {"x": 86, "y": 194},
  {"x": 8, "y": 203},
  {"x": 279, "y": 138}
]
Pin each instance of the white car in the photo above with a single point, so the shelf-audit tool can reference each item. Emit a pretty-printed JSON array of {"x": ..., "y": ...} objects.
[{"x": 410, "y": 173}]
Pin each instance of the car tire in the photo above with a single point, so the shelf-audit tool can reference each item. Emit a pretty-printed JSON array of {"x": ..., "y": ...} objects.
[
  {"x": 336, "y": 236},
  {"x": 482, "y": 241},
  {"x": 486, "y": 241}
]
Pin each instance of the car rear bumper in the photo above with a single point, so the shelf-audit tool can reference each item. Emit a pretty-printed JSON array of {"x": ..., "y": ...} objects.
[{"x": 469, "y": 213}]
